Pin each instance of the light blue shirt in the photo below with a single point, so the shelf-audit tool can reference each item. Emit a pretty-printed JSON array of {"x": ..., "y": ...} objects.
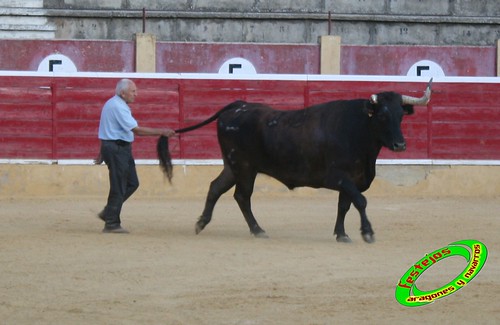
[{"x": 117, "y": 121}]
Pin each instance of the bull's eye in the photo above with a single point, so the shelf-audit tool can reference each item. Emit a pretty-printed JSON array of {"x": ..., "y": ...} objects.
[{"x": 383, "y": 114}]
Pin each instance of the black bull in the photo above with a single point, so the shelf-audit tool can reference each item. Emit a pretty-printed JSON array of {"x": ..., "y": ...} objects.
[{"x": 332, "y": 145}]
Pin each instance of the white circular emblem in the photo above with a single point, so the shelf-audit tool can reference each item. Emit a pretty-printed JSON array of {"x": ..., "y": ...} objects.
[{"x": 57, "y": 63}]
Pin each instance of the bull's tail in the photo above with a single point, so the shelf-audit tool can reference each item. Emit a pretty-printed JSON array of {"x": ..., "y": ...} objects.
[
  {"x": 162, "y": 145},
  {"x": 164, "y": 157}
]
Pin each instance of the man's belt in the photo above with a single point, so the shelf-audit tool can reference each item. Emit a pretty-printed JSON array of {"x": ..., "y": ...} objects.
[{"x": 121, "y": 143}]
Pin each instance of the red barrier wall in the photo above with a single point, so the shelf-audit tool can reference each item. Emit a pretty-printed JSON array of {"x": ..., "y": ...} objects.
[
  {"x": 209, "y": 57},
  {"x": 26, "y": 55},
  {"x": 176, "y": 57},
  {"x": 58, "y": 117},
  {"x": 397, "y": 60}
]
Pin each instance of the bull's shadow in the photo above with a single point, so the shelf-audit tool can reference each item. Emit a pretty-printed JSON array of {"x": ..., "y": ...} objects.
[{"x": 332, "y": 145}]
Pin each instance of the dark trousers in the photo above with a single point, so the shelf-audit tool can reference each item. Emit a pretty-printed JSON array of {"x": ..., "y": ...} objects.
[{"x": 123, "y": 180}]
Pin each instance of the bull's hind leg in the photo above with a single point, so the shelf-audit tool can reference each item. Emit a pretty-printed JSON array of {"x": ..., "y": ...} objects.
[
  {"x": 242, "y": 195},
  {"x": 219, "y": 186}
]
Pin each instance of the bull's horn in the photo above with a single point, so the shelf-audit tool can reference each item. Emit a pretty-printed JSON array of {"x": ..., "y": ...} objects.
[{"x": 419, "y": 101}]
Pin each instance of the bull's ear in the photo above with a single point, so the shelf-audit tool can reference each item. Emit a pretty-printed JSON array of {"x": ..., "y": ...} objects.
[
  {"x": 408, "y": 109},
  {"x": 370, "y": 109}
]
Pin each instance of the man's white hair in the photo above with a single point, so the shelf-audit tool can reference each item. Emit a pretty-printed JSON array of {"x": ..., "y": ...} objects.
[{"x": 122, "y": 85}]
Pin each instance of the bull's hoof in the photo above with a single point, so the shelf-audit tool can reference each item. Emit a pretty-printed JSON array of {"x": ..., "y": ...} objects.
[
  {"x": 344, "y": 239},
  {"x": 369, "y": 238},
  {"x": 261, "y": 234},
  {"x": 200, "y": 225}
]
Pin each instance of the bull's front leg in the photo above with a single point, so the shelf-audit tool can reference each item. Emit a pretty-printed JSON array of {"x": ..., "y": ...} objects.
[
  {"x": 366, "y": 228},
  {"x": 350, "y": 193},
  {"x": 343, "y": 206},
  {"x": 360, "y": 203}
]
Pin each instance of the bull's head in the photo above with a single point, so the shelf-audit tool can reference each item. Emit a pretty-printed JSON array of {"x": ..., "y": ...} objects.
[{"x": 387, "y": 111}]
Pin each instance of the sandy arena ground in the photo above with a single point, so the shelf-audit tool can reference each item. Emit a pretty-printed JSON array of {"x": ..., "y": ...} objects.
[{"x": 58, "y": 268}]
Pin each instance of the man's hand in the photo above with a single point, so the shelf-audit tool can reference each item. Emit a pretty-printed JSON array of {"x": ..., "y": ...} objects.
[
  {"x": 168, "y": 132},
  {"x": 144, "y": 130}
]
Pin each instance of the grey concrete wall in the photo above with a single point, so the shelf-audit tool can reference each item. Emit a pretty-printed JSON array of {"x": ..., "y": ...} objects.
[
  {"x": 358, "y": 22},
  {"x": 405, "y": 7}
]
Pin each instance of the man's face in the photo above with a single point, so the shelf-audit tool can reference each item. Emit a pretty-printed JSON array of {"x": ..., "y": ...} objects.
[{"x": 129, "y": 93}]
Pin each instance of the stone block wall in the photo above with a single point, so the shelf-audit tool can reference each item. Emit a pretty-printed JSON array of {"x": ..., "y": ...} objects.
[{"x": 357, "y": 22}]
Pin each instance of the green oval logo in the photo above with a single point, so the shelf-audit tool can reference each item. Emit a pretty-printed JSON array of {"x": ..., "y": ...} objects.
[{"x": 407, "y": 292}]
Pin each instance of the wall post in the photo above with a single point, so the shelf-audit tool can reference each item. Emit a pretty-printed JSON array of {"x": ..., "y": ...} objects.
[
  {"x": 330, "y": 54},
  {"x": 145, "y": 52},
  {"x": 498, "y": 58}
]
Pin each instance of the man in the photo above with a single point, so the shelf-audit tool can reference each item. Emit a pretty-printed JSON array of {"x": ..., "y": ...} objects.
[{"x": 117, "y": 129}]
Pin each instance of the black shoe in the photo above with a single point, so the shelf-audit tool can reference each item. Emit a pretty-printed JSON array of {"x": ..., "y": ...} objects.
[
  {"x": 100, "y": 215},
  {"x": 117, "y": 230}
]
